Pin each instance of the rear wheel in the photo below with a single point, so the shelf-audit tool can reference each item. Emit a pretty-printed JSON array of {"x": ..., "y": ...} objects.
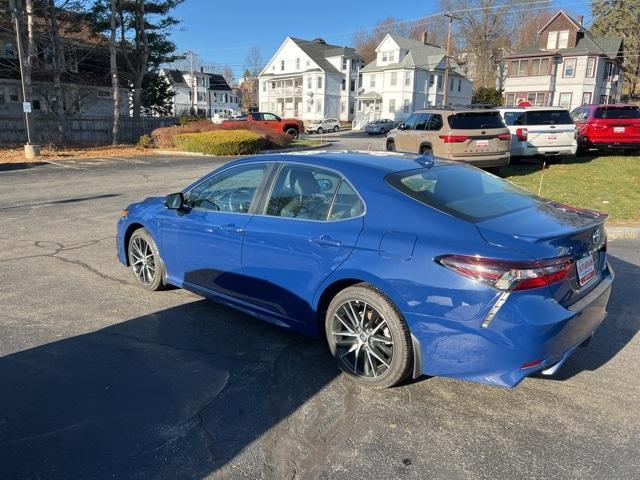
[
  {"x": 320, "y": 130},
  {"x": 424, "y": 150},
  {"x": 391, "y": 146},
  {"x": 145, "y": 261},
  {"x": 336, "y": 128},
  {"x": 292, "y": 132},
  {"x": 368, "y": 337}
]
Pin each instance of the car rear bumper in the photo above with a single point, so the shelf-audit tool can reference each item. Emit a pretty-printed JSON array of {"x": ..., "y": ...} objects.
[
  {"x": 485, "y": 161},
  {"x": 612, "y": 143},
  {"x": 529, "y": 333},
  {"x": 532, "y": 151}
]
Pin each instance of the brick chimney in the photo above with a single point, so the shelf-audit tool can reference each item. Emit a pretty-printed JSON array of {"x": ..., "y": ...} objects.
[
  {"x": 580, "y": 19},
  {"x": 425, "y": 37}
]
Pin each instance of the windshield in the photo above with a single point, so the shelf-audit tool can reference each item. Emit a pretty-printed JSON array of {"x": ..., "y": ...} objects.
[
  {"x": 617, "y": 112},
  {"x": 462, "y": 191},
  {"x": 476, "y": 120}
]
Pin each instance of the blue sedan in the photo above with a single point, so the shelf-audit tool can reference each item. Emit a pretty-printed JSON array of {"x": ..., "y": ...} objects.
[{"x": 408, "y": 265}]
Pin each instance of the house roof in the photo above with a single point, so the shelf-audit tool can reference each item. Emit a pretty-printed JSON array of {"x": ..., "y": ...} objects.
[
  {"x": 420, "y": 55},
  {"x": 216, "y": 81},
  {"x": 587, "y": 44},
  {"x": 318, "y": 50}
]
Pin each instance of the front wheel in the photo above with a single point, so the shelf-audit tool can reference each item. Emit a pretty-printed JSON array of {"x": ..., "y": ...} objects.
[
  {"x": 368, "y": 337},
  {"x": 145, "y": 261},
  {"x": 336, "y": 128},
  {"x": 391, "y": 147},
  {"x": 320, "y": 131}
]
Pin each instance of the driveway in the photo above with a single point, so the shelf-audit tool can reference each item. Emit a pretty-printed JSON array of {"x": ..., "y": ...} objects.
[
  {"x": 101, "y": 379},
  {"x": 350, "y": 140}
]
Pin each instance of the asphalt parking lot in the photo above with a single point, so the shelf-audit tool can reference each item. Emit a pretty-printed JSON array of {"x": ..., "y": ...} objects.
[{"x": 101, "y": 379}]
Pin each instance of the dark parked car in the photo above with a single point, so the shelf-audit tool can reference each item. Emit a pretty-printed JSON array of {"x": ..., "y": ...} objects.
[
  {"x": 405, "y": 264},
  {"x": 380, "y": 127},
  {"x": 605, "y": 127}
]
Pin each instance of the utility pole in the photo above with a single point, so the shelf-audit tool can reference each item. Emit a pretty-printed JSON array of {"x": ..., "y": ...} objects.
[
  {"x": 30, "y": 150},
  {"x": 194, "y": 90},
  {"x": 446, "y": 59}
]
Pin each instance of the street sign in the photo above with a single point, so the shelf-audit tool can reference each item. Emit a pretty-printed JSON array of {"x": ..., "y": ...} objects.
[{"x": 26, "y": 107}]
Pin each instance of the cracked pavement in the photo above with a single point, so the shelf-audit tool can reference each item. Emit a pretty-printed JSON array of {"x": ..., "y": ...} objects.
[{"x": 103, "y": 379}]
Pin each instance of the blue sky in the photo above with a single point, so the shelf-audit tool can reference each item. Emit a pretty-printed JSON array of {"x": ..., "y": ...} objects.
[{"x": 223, "y": 32}]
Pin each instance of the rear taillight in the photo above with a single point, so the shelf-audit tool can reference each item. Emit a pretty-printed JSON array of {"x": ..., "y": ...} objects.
[
  {"x": 508, "y": 275},
  {"x": 522, "y": 134},
  {"x": 454, "y": 138},
  {"x": 504, "y": 136}
]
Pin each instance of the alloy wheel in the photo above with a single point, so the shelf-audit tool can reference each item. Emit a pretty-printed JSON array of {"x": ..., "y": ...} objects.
[
  {"x": 363, "y": 339},
  {"x": 142, "y": 260}
]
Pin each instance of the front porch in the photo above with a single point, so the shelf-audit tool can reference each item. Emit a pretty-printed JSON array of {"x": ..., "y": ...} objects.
[{"x": 369, "y": 108}]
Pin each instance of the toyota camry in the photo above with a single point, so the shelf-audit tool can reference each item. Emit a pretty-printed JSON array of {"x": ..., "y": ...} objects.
[{"x": 406, "y": 264}]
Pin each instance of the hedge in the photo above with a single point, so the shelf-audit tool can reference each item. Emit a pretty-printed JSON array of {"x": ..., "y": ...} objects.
[{"x": 220, "y": 142}]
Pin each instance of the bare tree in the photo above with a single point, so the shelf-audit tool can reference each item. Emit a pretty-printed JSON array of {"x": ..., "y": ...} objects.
[
  {"x": 113, "y": 67},
  {"x": 228, "y": 75},
  {"x": 253, "y": 62}
]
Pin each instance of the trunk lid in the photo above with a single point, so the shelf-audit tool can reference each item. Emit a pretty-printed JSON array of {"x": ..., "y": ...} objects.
[
  {"x": 548, "y": 128},
  {"x": 552, "y": 230},
  {"x": 478, "y": 134}
]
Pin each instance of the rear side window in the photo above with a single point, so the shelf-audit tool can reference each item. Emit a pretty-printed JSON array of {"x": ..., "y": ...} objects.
[
  {"x": 514, "y": 118},
  {"x": 548, "y": 117},
  {"x": 462, "y": 191},
  {"x": 346, "y": 204},
  {"x": 475, "y": 120},
  {"x": 617, "y": 112}
]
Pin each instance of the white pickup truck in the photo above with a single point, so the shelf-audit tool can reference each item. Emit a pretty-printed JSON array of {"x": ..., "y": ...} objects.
[{"x": 544, "y": 131}]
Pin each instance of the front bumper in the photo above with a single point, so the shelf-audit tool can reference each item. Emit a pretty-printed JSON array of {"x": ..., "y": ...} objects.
[{"x": 528, "y": 334}]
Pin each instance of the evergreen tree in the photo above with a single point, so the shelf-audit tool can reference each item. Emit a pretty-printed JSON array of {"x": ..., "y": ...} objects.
[{"x": 621, "y": 18}]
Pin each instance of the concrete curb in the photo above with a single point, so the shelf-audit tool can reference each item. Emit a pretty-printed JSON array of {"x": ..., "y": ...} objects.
[
  {"x": 623, "y": 233},
  {"x": 261, "y": 152}
]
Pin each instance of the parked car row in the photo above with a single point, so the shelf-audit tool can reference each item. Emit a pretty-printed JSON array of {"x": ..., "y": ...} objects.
[{"x": 489, "y": 137}]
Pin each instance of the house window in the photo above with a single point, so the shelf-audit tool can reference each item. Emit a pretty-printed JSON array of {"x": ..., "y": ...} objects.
[
  {"x": 309, "y": 83},
  {"x": 264, "y": 86},
  {"x": 297, "y": 63},
  {"x": 563, "y": 39},
  {"x": 569, "y": 68},
  {"x": 586, "y": 98},
  {"x": 343, "y": 107},
  {"x": 273, "y": 85},
  {"x": 518, "y": 68},
  {"x": 319, "y": 106},
  {"x": 372, "y": 81},
  {"x": 353, "y": 64},
  {"x": 510, "y": 99},
  {"x": 591, "y": 67},
  {"x": 565, "y": 100},
  {"x": 394, "y": 78},
  {"x": 540, "y": 66},
  {"x": 603, "y": 99},
  {"x": 392, "y": 105},
  {"x": 451, "y": 85},
  {"x": 12, "y": 94},
  {"x": 459, "y": 84},
  {"x": 439, "y": 83},
  {"x": 536, "y": 98},
  {"x": 308, "y": 107},
  {"x": 353, "y": 85},
  {"x": 391, "y": 55},
  {"x": 319, "y": 83},
  {"x": 36, "y": 104},
  {"x": 344, "y": 63},
  {"x": 407, "y": 78},
  {"x": 552, "y": 39},
  {"x": 384, "y": 56},
  {"x": 431, "y": 80},
  {"x": 344, "y": 84},
  {"x": 405, "y": 106},
  {"x": 607, "y": 71}
]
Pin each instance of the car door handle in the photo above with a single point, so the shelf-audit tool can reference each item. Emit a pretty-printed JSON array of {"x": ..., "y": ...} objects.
[
  {"x": 325, "y": 241},
  {"x": 229, "y": 227}
]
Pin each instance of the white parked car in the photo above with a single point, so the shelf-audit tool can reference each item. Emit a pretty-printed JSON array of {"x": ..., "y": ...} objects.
[
  {"x": 220, "y": 117},
  {"x": 326, "y": 125},
  {"x": 540, "y": 131}
]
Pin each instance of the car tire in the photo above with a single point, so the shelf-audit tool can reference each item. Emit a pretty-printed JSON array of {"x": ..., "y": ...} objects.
[
  {"x": 391, "y": 146},
  {"x": 368, "y": 337},
  {"x": 320, "y": 131},
  {"x": 145, "y": 262},
  {"x": 336, "y": 129},
  {"x": 292, "y": 132},
  {"x": 426, "y": 151}
]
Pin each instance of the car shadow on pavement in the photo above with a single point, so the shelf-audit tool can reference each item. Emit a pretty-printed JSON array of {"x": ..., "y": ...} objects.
[
  {"x": 617, "y": 330},
  {"x": 174, "y": 394},
  {"x": 8, "y": 167}
]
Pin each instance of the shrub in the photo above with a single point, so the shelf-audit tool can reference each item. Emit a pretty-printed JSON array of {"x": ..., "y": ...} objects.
[
  {"x": 187, "y": 119},
  {"x": 163, "y": 137},
  {"x": 220, "y": 142},
  {"x": 144, "y": 142}
]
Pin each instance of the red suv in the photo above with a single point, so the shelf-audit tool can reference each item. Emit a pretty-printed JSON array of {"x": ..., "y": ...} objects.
[{"x": 607, "y": 126}]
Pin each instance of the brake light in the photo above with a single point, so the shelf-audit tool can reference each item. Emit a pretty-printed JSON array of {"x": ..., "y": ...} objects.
[
  {"x": 504, "y": 136},
  {"x": 508, "y": 275},
  {"x": 454, "y": 138},
  {"x": 522, "y": 134}
]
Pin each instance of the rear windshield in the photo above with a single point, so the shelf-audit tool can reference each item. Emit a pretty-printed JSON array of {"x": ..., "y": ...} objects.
[
  {"x": 462, "y": 191},
  {"x": 476, "y": 120},
  {"x": 548, "y": 117},
  {"x": 617, "y": 112}
]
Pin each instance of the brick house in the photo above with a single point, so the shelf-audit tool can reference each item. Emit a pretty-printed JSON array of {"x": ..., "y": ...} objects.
[{"x": 567, "y": 66}]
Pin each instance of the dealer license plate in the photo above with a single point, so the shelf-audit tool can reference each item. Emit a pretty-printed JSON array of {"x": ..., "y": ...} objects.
[
  {"x": 482, "y": 143},
  {"x": 618, "y": 129},
  {"x": 552, "y": 137},
  {"x": 586, "y": 270}
]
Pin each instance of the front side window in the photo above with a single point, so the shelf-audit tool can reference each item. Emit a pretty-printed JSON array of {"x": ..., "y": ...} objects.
[
  {"x": 434, "y": 122},
  {"x": 269, "y": 117},
  {"x": 230, "y": 191},
  {"x": 303, "y": 192},
  {"x": 569, "y": 67}
]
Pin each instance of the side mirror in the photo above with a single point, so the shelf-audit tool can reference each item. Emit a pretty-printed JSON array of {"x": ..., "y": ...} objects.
[{"x": 174, "y": 201}]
